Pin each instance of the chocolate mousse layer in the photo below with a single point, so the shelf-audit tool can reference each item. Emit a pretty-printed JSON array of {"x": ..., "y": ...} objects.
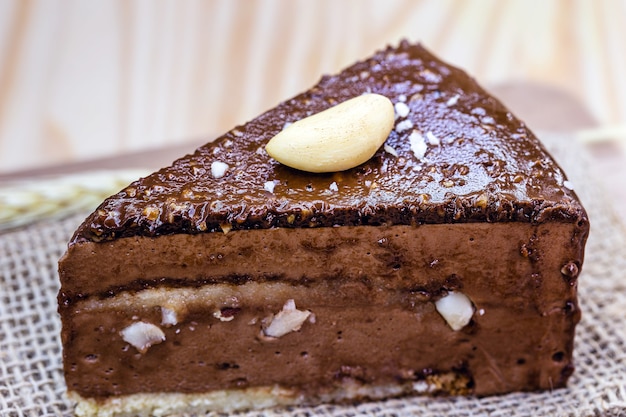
[{"x": 377, "y": 308}]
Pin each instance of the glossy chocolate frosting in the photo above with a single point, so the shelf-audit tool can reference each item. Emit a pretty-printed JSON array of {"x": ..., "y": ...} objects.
[{"x": 479, "y": 163}]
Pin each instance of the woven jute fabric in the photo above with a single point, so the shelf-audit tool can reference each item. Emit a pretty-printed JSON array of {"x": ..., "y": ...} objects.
[{"x": 31, "y": 379}]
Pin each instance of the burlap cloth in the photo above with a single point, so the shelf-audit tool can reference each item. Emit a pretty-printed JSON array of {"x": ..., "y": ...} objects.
[{"x": 31, "y": 380}]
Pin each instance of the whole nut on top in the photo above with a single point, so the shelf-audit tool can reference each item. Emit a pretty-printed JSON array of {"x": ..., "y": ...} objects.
[{"x": 336, "y": 139}]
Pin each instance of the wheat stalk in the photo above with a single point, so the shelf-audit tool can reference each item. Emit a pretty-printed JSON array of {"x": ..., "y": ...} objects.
[{"x": 26, "y": 201}]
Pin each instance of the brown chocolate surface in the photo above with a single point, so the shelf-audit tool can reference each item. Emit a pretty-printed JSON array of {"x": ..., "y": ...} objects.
[{"x": 487, "y": 166}]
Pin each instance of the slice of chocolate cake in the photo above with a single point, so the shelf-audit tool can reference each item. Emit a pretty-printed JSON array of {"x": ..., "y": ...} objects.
[{"x": 446, "y": 263}]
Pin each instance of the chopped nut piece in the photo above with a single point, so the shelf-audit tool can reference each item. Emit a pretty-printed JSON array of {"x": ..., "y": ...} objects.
[
  {"x": 456, "y": 309},
  {"x": 168, "y": 317},
  {"x": 269, "y": 186},
  {"x": 218, "y": 169},
  {"x": 482, "y": 201},
  {"x": 390, "y": 150},
  {"x": 226, "y": 227},
  {"x": 447, "y": 183},
  {"x": 418, "y": 145},
  {"x": 198, "y": 171},
  {"x": 288, "y": 320},
  {"x": 151, "y": 213},
  {"x": 142, "y": 335},
  {"x": 452, "y": 100},
  {"x": 404, "y": 125},
  {"x": 432, "y": 139},
  {"x": 402, "y": 110}
]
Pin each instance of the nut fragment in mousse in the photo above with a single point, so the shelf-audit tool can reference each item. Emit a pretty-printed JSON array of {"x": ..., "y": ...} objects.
[
  {"x": 456, "y": 308},
  {"x": 142, "y": 335},
  {"x": 288, "y": 320}
]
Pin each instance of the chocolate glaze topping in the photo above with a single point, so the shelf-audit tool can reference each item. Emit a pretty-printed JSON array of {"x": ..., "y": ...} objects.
[{"x": 471, "y": 160}]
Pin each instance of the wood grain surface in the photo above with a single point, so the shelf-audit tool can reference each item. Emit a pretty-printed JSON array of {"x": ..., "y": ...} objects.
[{"x": 90, "y": 79}]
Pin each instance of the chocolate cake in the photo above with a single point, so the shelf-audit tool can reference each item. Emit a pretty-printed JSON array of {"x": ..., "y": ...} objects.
[{"x": 445, "y": 264}]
